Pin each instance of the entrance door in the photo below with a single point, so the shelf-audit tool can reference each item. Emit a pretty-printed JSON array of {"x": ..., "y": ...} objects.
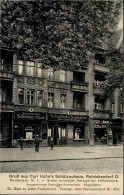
[
  {"x": 114, "y": 136},
  {"x": 100, "y": 136},
  {"x": 55, "y": 135}
]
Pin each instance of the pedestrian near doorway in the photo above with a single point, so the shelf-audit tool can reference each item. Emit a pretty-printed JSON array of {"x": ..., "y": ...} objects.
[
  {"x": 21, "y": 143},
  {"x": 37, "y": 143},
  {"x": 51, "y": 143}
]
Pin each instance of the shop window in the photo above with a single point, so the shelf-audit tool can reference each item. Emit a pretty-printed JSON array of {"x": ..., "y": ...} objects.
[
  {"x": 100, "y": 135},
  {"x": 59, "y": 133},
  {"x": 79, "y": 101},
  {"x": 121, "y": 107},
  {"x": 63, "y": 101},
  {"x": 50, "y": 100},
  {"x": 20, "y": 66},
  {"x": 40, "y": 97},
  {"x": 30, "y": 68},
  {"x": 44, "y": 131},
  {"x": 21, "y": 96},
  {"x": 62, "y": 75},
  {"x": 30, "y": 97},
  {"x": 113, "y": 107},
  {"x": 50, "y": 73},
  {"x": 29, "y": 135},
  {"x": 39, "y": 70},
  {"x": 49, "y": 132},
  {"x": 79, "y": 132},
  {"x": 63, "y": 132}
]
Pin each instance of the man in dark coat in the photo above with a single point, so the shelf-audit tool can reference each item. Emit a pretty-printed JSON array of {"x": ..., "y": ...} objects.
[
  {"x": 37, "y": 143},
  {"x": 21, "y": 143},
  {"x": 51, "y": 143}
]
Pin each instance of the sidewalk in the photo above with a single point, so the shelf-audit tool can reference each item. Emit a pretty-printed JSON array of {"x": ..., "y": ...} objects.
[{"x": 60, "y": 153}]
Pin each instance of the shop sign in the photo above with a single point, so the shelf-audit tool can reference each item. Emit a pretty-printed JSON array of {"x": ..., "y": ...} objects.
[
  {"x": 77, "y": 129},
  {"x": 29, "y": 128},
  {"x": 85, "y": 113},
  {"x": 72, "y": 118},
  {"x": 31, "y": 116}
]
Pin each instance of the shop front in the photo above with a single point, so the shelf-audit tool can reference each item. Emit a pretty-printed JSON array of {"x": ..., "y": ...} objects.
[
  {"x": 27, "y": 125},
  {"x": 117, "y": 131},
  {"x": 67, "y": 129},
  {"x": 108, "y": 132},
  {"x": 100, "y": 132}
]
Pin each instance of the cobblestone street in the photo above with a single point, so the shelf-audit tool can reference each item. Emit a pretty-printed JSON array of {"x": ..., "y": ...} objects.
[
  {"x": 102, "y": 159},
  {"x": 80, "y": 166}
]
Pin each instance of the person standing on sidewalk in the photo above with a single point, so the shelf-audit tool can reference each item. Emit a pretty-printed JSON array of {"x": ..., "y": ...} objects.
[
  {"x": 21, "y": 143},
  {"x": 51, "y": 143},
  {"x": 37, "y": 143}
]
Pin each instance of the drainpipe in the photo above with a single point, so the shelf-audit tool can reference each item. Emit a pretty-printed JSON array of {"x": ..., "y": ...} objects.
[{"x": 12, "y": 130}]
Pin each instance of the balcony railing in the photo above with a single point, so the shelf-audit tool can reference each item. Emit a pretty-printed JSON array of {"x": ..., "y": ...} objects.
[
  {"x": 82, "y": 112},
  {"x": 102, "y": 111},
  {"x": 79, "y": 86},
  {"x": 6, "y": 74}
]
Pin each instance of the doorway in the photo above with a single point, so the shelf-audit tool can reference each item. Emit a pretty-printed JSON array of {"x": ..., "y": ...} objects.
[{"x": 55, "y": 135}]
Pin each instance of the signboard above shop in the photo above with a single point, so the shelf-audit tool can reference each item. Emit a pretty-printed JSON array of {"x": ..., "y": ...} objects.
[
  {"x": 69, "y": 118},
  {"x": 30, "y": 115}
]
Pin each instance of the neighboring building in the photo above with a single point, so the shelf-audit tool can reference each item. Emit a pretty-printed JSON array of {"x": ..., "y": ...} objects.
[{"x": 63, "y": 104}]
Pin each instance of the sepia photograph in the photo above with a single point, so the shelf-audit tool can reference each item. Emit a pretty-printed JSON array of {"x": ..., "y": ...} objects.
[{"x": 61, "y": 97}]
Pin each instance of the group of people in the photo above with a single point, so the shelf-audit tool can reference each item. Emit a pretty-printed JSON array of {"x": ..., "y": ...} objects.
[{"x": 37, "y": 143}]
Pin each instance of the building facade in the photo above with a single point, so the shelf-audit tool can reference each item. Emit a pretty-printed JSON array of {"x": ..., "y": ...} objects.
[{"x": 61, "y": 104}]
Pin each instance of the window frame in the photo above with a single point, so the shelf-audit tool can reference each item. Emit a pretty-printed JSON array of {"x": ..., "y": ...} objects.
[
  {"x": 30, "y": 68},
  {"x": 21, "y": 64},
  {"x": 50, "y": 73},
  {"x": 40, "y": 69},
  {"x": 113, "y": 107},
  {"x": 63, "y": 75},
  {"x": 20, "y": 94},
  {"x": 63, "y": 101},
  {"x": 40, "y": 96},
  {"x": 51, "y": 97},
  {"x": 121, "y": 107},
  {"x": 30, "y": 97}
]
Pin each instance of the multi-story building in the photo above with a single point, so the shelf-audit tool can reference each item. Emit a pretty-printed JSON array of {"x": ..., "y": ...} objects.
[{"x": 63, "y": 104}]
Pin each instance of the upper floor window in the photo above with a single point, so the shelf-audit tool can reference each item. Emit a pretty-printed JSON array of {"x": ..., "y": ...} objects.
[
  {"x": 99, "y": 78},
  {"x": 113, "y": 107},
  {"x": 99, "y": 106},
  {"x": 63, "y": 101},
  {"x": 6, "y": 60},
  {"x": 50, "y": 73},
  {"x": 30, "y": 97},
  {"x": 78, "y": 77},
  {"x": 30, "y": 68},
  {"x": 62, "y": 75},
  {"x": 50, "y": 100},
  {"x": 39, "y": 70},
  {"x": 121, "y": 107},
  {"x": 40, "y": 98},
  {"x": 21, "y": 96},
  {"x": 79, "y": 101},
  {"x": 20, "y": 66}
]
